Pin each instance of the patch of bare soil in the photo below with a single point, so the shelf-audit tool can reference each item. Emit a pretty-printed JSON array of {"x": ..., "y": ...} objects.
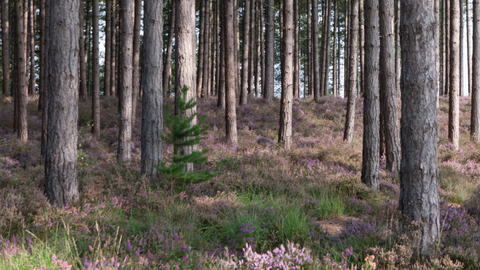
[{"x": 333, "y": 226}]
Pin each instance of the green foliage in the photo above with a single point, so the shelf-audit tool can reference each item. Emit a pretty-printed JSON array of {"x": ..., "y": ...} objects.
[{"x": 181, "y": 133}]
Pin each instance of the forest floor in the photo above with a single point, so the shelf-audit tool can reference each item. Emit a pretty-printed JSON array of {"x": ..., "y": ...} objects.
[{"x": 266, "y": 207}]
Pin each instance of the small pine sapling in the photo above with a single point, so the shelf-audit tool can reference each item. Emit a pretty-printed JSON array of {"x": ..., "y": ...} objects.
[{"x": 182, "y": 133}]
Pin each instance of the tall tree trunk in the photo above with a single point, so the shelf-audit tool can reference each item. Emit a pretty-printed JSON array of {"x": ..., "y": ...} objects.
[
  {"x": 371, "y": 115},
  {"x": 269, "y": 51},
  {"x": 460, "y": 92},
  {"x": 125, "y": 137},
  {"x": 61, "y": 181},
  {"x": 419, "y": 169},
  {"x": 185, "y": 60},
  {"x": 231, "y": 71},
  {"x": 475, "y": 118},
  {"x": 201, "y": 48},
  {"x": 262, "y": 47},
  {"x": 82, "y": 55},
  {"x": 113, "y": 75},
  {"x": 221, "y": 75},
  {"x": 214, "y": 47},
  {"x": 335, "y": 25},
  {"x": 31, "y": 46},
  {"x": 352, "y": 73},
  {"x": 41, "y": 56},
  {"x": 152, "y": 99},
  {"x": 361, "y": 78},
  {"x": 469, "y": 46},
  {"x": 346, "y": 47},
  {"x": 206, "y": 54},
  {"x": 454, "y": 106},
  {"x": 251, "y": 55},
  {"x": 88, "y": 48},
  {"x": 285, "y": 131},
  {"x": 296, "y": 51},
  {"x": 96, "y": 73},
  {"x": 136, "y": 59},
  {"x": 316, "y": 65},
  {"x": 310, "y": 49},
  {"x": 108, "y": 50},
  {"x": 398, "y": 58},
  {"x": 387, "y": 86},
  {"x": 326, "y": 58},
  {"x": 448, "y": 36},
  {"x": 245, "y": 52},
  {"x": 167, "y": 69},
  {"x": 45, "y": 95},
  {"x": 437, "y": 42},
  {"x": 6, "y": 47},
  {"x": 441, "y": 85},
  {"x": 21, "y": 59}
]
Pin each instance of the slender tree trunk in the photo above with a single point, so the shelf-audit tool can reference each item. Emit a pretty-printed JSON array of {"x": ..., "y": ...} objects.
[
  {"x": 214, "y": 47},
  {"x": 316, "y": 65},
  {"x": 361, "y": 78},
  {"x": 269, "y": 51},
  {"x": 441, "y": 85},
  {"x": 221, "y": 88},
  {"x": 453, "y": 112},
  {"x": 201, "y": 48},
  {"x": 335, "y": 25},
  {"x": 108, "y": 50},
  {"x": 262, "y": 48},
  {"x": 469, "y": 46},
  {"x": 352, "y": 73},
  {"x": 326, "y": 58},
  {"x": 398, "y": 58},
  {"x": 125, "y": 137},
  {"x": 285, "y": 131},
  {"x": 6, "y": 47},
  {"x": 167, "y": 70},
  {"x": 136, "y": 59},
  {"x": 185, "y": 61},
  {"x": 251, "y": 55},
  {"x": 245, "y": 52},
  {"x": 257, "y": 62},
  {"x": 419, "y": 170},
  {"x": 296, "y": 51},
  {"x": 61, "y": 182},
  {"x": 448, "y": 36},
  {"x": 83, "y": 57},
  {"x": 310, "y": 49},
  {"x": 152, "y": 99},
  {"x": 88, "y": 48},
  {"x": 31, "y": 45},
  {"x": 231, "y": 71},
  {"x": 206, "y": 55},
  {"x": 96, "y": 72},
  {"x": 21, "y": 59},
  {"x": 41, "y": 56},
  {"x": 387, "y": 86},
  {"x": 113, "y": 75},
  {"x": 346, "y": 47},
  {"x": 45, "y": 95},
  {"x": 371, "y": 116},
  {"x": 460, "y": 92},
  {"x": 437, "y": 47},
  {"x": 475, "y": 118}
]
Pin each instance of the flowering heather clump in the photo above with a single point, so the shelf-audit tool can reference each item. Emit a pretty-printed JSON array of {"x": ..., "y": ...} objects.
[{"x": 292, "y": 257}]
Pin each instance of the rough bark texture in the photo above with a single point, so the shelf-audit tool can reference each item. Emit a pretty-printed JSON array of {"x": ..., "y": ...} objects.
[
  {"x": 31, "y": 46},
  {"x": 475, "y": 122},
  {"x": 296, "y": 51},
  {"x": 21, "y": 60},
  {"x": 285, "y": 131},
  {"x": 96, "y": 73},
  {"x": 41, "y": 56},
  {"x": 125, "y": 136},
  {"x": 361, "y": 33},
  {"x": 251, "y": 56},
  {"x": 437, "y": 46},
  {"x": 334, "y": 68},
  {"x": 45, "y": 96},
  {"x": 398, "y": 59},
  {"x": 419, "y": 169},
  {"x": 221, "y": 76},
  {"x": 201, "y": 47},
  {"x": 108, "y": 50},
  {"x": 230, "y": 72},
  {"x": 469, "y": 46},
  {"x": 352, "y": 73},
  {"x": 454, "y": 105},
  {"x": 113, "y": 75},
  {"x": 316, "y": 65},
  {"x": 387, "y": 86},
  {"x": 82, "y": 55},
  {"x": 185, "y": 59},
  {"x": 152, "y": 99},
  {"x": 371, "y": 115},
  {"x": 61, "y": 182},
  {"x": 6, "y": 47},
  {"x": 245, "y": 52},
  {"x": 136, "y": 59},
  {"x": 206, "y": 54},
  {"x": 167, "y": 68},
  {"x": 269, "y": 52}
]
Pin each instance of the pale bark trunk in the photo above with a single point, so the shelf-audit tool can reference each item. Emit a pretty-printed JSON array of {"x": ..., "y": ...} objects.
[
  {"x": 454, "y": 106},
  {"x": 371, "y": 115},
  {"x": 437, "y": 46},
  {"x": 269, "y": 52},
  {"x": 475, "y": 120},
  {"x": 45, "y": 95},
  {"x": 136, "y": 59},
  {"x": 310, "y": 48},
  {"x": 296, "y": 52},
  {"x": 448, "y": 36},
  {"x": 82, "y": 55},
  {"x": 61, "y": 181},
  {"x": 316, "y": 65},
  {"x": 346, "y": 48},
  {"x": 419, "y": 170},
  {"x": 230, "y": 72},
  {"x": 387, "y": 86},
  {"x": 21, "y": 59},
  {"x": 251, "y": 55},
  {"x": 285, "y": 131},
  {"x": 398, "y": 58},
  {"x": 469, "y": 46},
  {"x": 125, "y": 136},
  {"x": 201, "y": 48},
  {"x": 221, "y": 76},
  {"x": 152, "y": 99},
  {"x": 113, "y": 75},
  {"x": 245, "y": 52},
  {"x": 108, "y": 50},
  {"x": 96, "y": 72},
  {"x": 167, "y": 69},
  {"x": 6, "y": 47},
  {"x": 206, "y": 54},
  {"x": 352, "y": 73},
  {"x": 326, "y": 58},
  {"x": 335, "y": 25},
  {"x": 31, "y": 45},
  {"x": 41, "y": 56}
]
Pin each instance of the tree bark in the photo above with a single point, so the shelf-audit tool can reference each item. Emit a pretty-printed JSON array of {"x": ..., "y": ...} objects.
[
  {"x": 41, "y": 56},
  {"x": 206, "y": 55},
  {"x": 201, "y": 48},
  {"x": 125, "y": 137},
  {"x": 419, "y": 170},
  {"x": 469, "y": 46},
  {"x": 361, "y": 78},
  {"x": 82, "y": 55},
  {"x": 269, "y": 51},
  {"x": 387, "y": 86},
  {"x": 136, "y": 58},
  {"x": 6, "y": 48},
  {"x": 326, "y": 58},
  {"x": 113, "y": 75},
  {"x": 245, "y": 52},
  {"x": 230, "y": 72},
  {"x": 398, "y": 58},
  {"x": 167, "y": 69},
  {"x": 221, "y": 76},
  {"x": 31, "y": 46},
  {"x": 371, "y": 115},
  {"x": 45, "y": 95},
  {"x": 251, "y": 55},
  {"x": 335, "y": 25},
  {"x": 61, "y": 182},
  {"x": 108, "y": 50},
  {"x": 352, "y": 73},
  {"x": 21, "y": 59},
  {"x": 296, "y": 51},
  {"x": 152, "y": 99},
  {"x": 475, "y": 118},
  {"x": 316, "y": 65},
  {"x": 454, "y": 106},
  {"x": 96, "y": 73}
]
